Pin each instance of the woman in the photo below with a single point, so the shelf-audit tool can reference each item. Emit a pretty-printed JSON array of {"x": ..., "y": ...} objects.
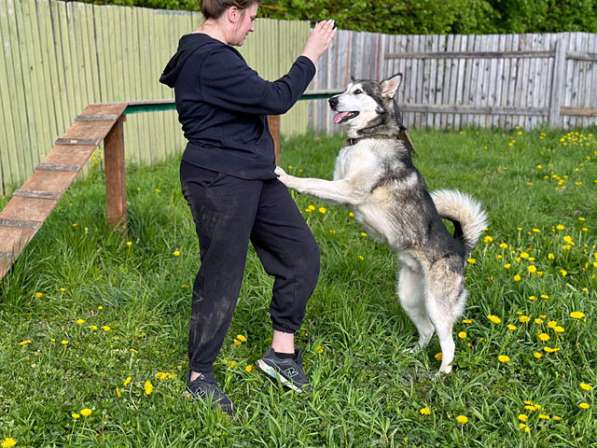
[{"x": 227, "y": 177}]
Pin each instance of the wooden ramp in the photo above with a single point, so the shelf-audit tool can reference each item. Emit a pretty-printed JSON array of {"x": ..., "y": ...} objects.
[{"x": 31, "y": 205}]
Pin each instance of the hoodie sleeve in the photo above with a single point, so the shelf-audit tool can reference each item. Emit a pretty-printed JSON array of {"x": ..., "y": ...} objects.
[{"x": 226, "y": 81}]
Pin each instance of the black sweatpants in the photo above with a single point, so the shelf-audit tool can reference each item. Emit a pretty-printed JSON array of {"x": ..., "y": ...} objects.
[{"x": 228, "y": 212}]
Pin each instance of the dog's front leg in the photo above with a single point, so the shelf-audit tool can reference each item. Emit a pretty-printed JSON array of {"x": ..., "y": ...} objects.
[{"x": 339, "y": 191}]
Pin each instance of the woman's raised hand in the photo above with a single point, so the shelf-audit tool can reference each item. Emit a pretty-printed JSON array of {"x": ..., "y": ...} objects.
[{"x": 320, "y": 39}]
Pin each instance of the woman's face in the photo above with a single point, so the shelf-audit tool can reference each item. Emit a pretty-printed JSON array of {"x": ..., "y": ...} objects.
[{"x": 244, "y": 25}]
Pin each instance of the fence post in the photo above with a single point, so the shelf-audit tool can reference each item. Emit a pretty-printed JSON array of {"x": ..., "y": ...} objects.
[
  {"x": 558, "y": 84},
  {"x": 115, "y": 170}
]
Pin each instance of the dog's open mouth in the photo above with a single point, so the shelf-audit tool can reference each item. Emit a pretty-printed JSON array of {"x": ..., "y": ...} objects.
[{"x": 342, "y": 117}]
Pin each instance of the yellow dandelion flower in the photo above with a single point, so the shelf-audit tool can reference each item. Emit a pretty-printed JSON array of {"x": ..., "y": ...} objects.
[
  {"x": 471, "y": 260},
  {"x": 176, "y": 253},
  {"x": 237, "y": 343},
  {"x": 147, "y": 387},
  {"x": 363, "y": 235},
  {"x": 523, "y": 318},
  {"x": 462, "y": 419},
  {"x": 535, "y": 230},
  {"x": 568, "y": 240},
  {"x": 511, "y": 327},
  {"x": 507, "y": 266},
  {"x": 232, "y": 364},
  {"x": 494, "y": 319},
  {"x": 504, "y": 246},
  {"x": 350, "y": 214},
  {"x": 524, "y": 427},
  {"x": 551, "y": 349},
  {"x": 80, "y": 321},
  {"x": 462, "y": 335},
  {"x": 538, "y": 355},
  {"x": 118, "y": 392},
  {"x": 86, "y": 412},
  {"x": 552, "y": 324},
  {"x": 438, "y": 356},
  {"x": 75, "y": 415},
  {"x": 517, "y": 278},
  {"x": 8, "y": 442},
  {"x": 532, "y": 407},
  {"x": 499, "y": 257},
  {"x": 360, "y": 258},
  {"x": 532, "y": 298},
  {"x": 64, "y": 342},
  {"x": 504, "y": 359},
  {"x": 544, "y": 296},
  {"x": 532, "y": 269},
  {"x": 523, "y": 417},
  {"x": 106, "y": 328},
  {"x": 560, "y": 227},
  {"x": 585, "y": 386},
  {"x": 241, "y": 337},
  {"x": 556, "y": 417},
  {"x": 165, "y": 376},
  {"x": 425, "y": 411},
  {"x": 467, "y": 321},
  {"x": 39, "y": 295},
  {"x": 584, "y": 405},
  {"x": 323, "y": 210},
  {"x": 543, "y": 337},
  {"x": 128, "y": 380},
  {"x": 487, "y": 239},
  {"x": 538, "y": 321},
  {"x": 524, "y": 255},
  {"x": 551, "y": 256},
  {"x": 543, "y": 417},
  {"x": 25, "y": 342},
  {"x": 129, "y": 244},
  {"x": 319, "y": 349},
  {"x": 249, "y": 368},
  {"x": 559, "y": 329},
  {"x": 577, "y": 315}
]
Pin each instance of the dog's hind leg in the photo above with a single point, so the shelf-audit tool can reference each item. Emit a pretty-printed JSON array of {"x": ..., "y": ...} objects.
[
  {"x": 445, "y": 302},
  {"x": 411, "y": 291}
]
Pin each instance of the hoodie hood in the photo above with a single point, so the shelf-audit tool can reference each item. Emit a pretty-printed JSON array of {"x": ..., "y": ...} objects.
[{"x": 188, "y": 45}]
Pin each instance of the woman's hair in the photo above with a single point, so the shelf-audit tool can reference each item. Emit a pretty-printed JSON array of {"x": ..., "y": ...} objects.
[{"x": 213, "y": 9}]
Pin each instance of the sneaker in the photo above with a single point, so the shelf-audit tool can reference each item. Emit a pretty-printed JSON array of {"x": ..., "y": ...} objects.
[
  {"x": 205, "y": 387},
  {"x": 289, "y": 371}
]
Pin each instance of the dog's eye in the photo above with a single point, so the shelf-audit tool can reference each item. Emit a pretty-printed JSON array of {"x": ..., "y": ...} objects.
[{"x": 357, "y": 92}]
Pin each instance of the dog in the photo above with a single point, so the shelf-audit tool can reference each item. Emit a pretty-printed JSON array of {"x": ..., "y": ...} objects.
[{"x": 374, "y": 175}]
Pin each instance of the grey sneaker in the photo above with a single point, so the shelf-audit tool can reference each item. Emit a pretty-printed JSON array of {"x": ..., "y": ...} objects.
[
  {"x": 205, "y": 387},
  {"x": 289, "y": 371}
]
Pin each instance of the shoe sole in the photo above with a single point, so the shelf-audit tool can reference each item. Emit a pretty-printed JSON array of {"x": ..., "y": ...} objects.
[{"x": 273, "y": 373}]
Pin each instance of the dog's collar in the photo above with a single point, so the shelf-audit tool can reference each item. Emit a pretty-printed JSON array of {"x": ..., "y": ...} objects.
[{"x": 354, "y": 141}]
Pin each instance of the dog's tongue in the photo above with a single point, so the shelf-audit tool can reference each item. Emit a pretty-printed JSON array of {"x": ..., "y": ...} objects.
[{"x": 339, "y": 116}]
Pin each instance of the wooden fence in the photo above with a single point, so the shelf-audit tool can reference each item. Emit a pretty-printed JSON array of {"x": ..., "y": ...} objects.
[
  {"x": 451, "y": 81},
  {"x": 57, "y": 57}
]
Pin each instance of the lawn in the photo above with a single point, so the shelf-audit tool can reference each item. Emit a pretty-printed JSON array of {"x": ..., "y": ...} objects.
[{"x": 94, "y": 326}]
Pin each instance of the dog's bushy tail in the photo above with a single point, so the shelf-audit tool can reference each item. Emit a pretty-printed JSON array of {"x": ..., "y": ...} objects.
[{"x": 467, "y": 214}]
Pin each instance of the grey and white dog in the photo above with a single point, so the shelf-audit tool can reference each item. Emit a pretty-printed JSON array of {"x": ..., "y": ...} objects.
[{"x": 375, "y": 176}]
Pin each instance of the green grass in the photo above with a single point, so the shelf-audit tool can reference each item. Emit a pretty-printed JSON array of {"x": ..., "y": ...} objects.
[{"x": 367, "y": 390}]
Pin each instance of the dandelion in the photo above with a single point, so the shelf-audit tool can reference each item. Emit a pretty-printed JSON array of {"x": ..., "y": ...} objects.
[
  {"x": 425, "y": 411},
  {"x": 93, "y": 327},
  {"x": 323, "y": 210},
  {"x": 467, "y": 321},
  {"x": 438, "y": 356},
  {"x": 538, "y": 321},
  {"x": 129, "y": 244},
  {"x": 64, "y": 342},
  {"x": 543, "y": 337},
  {"x": 523, "y": 417},
  {"x": 360, "y": 258},
  {"x": 232, "y": 364},
  {"x": 523, "y": 318},
  {"x": 524, "y": 255},
  {"x": 524, "y": 427},
  {"x": 487, "y": 239},
  {"x": 75, "y": 415},
  {"x": 532, "y": 298},
  {"x": 532, "y": 269},
  {"x": 538, "y": 355},
  {"x": 560, "y": 227},
  {"x": 507, "y": 266},
  {"x": 471, "y": 260},
  {"x": 551, "y": 349},
  {"x": 106, "y": 328},
  {"x": 165, "y": 376},
  {"x": 86, "y": 412},
  {"x": 39, "y": 295},
  {"x": 25, "y": 342},
  {"x": 494, "y": 319},
  {"x": 319, "y": 349},
  {"x": 462, "y": 335},
  {"x": 543, "y": 417},
  {"x": 517, "y": 278},
  {"x": 350, "y": 214},
  {"x": 310, "y": 208},
  {"x": 237, "y": 343},
  {"x": 249, "y": 368},
  {"x": 568, "y": 240},
  {"x": 556, "y": 417},
  {"x": 559, "y": 329},
  {"x": 585, "y": 386},
  {"x": 363, "y": 235},
  {"x": 577, "y": 315},
  {"x": 147, "y": 387},
  {"x": 80, "y": 321},
  {"x": 176, "y": 253},
  {"x": 535, "y": 230},
  {"x": 504, "y": 359},
  {"x": 241, "y": 338},
  {"x": 584, "y": 405},
  {"x": 551, "y": 256},
  {"x": 128, "y": 380},
  {"x": 544, "y": 296},
  {"x": 462, "y": 419},
  {"x": 511, "y": 327},
  {"x": 504, "y": 246},
  {"x": 8, "y": 442}
]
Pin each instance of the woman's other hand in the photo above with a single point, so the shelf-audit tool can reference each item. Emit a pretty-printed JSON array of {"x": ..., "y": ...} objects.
[{"x": 320, "y": 39}]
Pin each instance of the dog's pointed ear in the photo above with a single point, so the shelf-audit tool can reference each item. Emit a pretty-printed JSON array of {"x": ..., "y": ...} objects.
[
  {"x": 390, "y": 86},
  {"x": 352, "y": 78}
]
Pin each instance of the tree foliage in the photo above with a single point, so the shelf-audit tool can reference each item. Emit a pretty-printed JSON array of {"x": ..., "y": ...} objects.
[{"x": 421, "y": 16}]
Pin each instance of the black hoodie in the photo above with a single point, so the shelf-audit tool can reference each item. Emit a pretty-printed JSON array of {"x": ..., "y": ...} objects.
[{"x": 222, "y": 104}]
